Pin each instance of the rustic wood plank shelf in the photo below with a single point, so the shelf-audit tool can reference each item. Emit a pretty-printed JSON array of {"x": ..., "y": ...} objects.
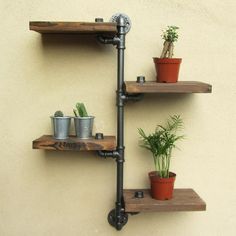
[
  {"x": 73, "y": 143},
  {"x": 179, "y": 87},
  {"x": 58, "y": 27},
  {"x": 183, "y": 200}
]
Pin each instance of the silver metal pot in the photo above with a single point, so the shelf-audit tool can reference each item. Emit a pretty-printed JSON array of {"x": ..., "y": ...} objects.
[
  {"x": 84, "y": 126},
  {"x": 61, "y": 127}
]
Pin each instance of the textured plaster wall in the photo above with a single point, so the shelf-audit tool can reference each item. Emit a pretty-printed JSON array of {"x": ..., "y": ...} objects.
[{"x": 69, "y": 193}]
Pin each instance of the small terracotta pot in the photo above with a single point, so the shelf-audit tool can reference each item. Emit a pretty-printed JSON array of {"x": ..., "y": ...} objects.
[
  {"x": 161, "y": 188},
  {"x": 167, "y": 69}
]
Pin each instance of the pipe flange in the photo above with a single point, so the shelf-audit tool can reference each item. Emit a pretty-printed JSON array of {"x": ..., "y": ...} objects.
[
  {"x": 115, "y": 18},
  {"x": 117, "y": 223}
]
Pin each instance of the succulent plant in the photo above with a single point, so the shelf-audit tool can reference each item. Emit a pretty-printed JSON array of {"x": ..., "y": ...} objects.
[
  {"x": 170, "y": 35},
  {"x": 58, "y": 114},
  {"x": 80, "y": 110}
]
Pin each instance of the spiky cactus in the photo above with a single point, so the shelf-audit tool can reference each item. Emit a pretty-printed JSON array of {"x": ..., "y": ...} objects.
[
  {"x": 58, "y": 114},
  {"x": 80, "y": 110},
  {"x": 170, "y": 35}
]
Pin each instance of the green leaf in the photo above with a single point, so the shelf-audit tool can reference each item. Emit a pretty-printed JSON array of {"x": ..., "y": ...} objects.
[
  {"x": 170, "y": 34},
  {"x": 161, "y": 142}
]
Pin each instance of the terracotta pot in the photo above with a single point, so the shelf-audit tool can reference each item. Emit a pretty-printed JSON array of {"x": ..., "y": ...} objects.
[
  {"x": 161, "y": 188},
  {"x": 167, "y": 69}
]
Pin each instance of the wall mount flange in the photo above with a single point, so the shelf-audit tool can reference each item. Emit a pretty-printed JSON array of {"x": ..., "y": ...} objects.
[
  {"x": 115, "y": 18},
  {"x": 117, "y": 221}
]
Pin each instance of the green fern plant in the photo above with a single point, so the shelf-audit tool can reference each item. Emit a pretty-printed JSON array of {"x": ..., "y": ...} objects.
[
  {"x": 80, "y": 110},
  {"x": 161, "y": 142}
]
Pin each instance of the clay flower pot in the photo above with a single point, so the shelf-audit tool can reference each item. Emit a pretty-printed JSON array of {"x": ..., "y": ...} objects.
[
  {"x": 161, "y": 188},
  {"x": 167, "y": 69}
]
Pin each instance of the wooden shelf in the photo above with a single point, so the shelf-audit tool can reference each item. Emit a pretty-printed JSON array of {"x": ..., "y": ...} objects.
[
  {"x": 179, "y": 87},
  {"x": 46, "y": 27},
  {"x": 73, "y": 143},
  {"x": 183, "y": 200}
]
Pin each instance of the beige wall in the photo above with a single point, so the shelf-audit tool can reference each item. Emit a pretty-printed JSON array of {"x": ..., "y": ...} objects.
[{"x": 69, "y": 193}]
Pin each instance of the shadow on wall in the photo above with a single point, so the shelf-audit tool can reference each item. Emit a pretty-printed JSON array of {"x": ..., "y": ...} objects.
[
  {"x": 87, "y": 166},
  {"x": 176, "y": 103},
  {"x": 73, "y": 157},
  {"x": 166, "y": 98},
  {"x": 73, "y": 41}
]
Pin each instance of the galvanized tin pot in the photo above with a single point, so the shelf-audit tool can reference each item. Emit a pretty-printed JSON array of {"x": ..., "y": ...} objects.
[
  {"x": 61, "y": 127},
  {"x": 84, "y": 126}
]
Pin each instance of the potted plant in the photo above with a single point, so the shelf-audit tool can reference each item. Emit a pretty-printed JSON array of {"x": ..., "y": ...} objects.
[
  {"x": 60, "y": 125},
  {"x": 83, "y": 122},
  {"x": 160, "y": 144},
  {"x": 167, "y": 68}
]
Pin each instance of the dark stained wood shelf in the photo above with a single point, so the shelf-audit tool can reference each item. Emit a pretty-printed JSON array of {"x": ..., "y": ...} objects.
[
  {"x": 179, "y": 87},
  {"x": 183, "y": 200},
  {"x": 73, "y": 143},
  {"x": 46, "y": 27}
]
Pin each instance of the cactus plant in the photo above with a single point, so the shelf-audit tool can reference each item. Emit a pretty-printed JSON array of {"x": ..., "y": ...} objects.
[
  {"x": 80, "y": 110},
  {"x": 58, "y": 114},
  {"x": 60, "y": 125},
  {"x": 83, "y": 122}
]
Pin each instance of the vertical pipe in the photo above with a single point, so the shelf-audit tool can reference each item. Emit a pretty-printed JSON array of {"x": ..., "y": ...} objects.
[
  {"x": 120, "y": 129},
  {"x": 120, "y": 120}
]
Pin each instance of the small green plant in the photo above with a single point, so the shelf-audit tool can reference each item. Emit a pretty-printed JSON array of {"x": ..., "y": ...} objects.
[
  {"x": 58, "y": 114},
  {"x": 80, "y": 110},
  {"x": 161, "y": 142},
  {"x": 170, "y": 35}
]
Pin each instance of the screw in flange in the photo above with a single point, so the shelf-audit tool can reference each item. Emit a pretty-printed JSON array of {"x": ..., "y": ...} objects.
[
  {"x": 141, "y": 79},
  {"x": 98, "y": 20},
  {"x": 139, "y": 194},
  {"x": 99, "y": 136}
]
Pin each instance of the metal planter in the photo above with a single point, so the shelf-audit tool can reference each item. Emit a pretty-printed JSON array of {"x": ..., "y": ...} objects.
[
  {"x": 84, "y": 126},
  {"x": 61, "y": 127}
]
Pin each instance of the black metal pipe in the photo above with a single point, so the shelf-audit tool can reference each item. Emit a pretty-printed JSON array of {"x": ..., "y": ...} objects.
[
  {"x": 105, "y": 154},
  {"x": 120, "y": 121},
  {"x": 115, "y": 40},
  {"x": 133, "y": 97},
  {"x": 117, "y": 217}
]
